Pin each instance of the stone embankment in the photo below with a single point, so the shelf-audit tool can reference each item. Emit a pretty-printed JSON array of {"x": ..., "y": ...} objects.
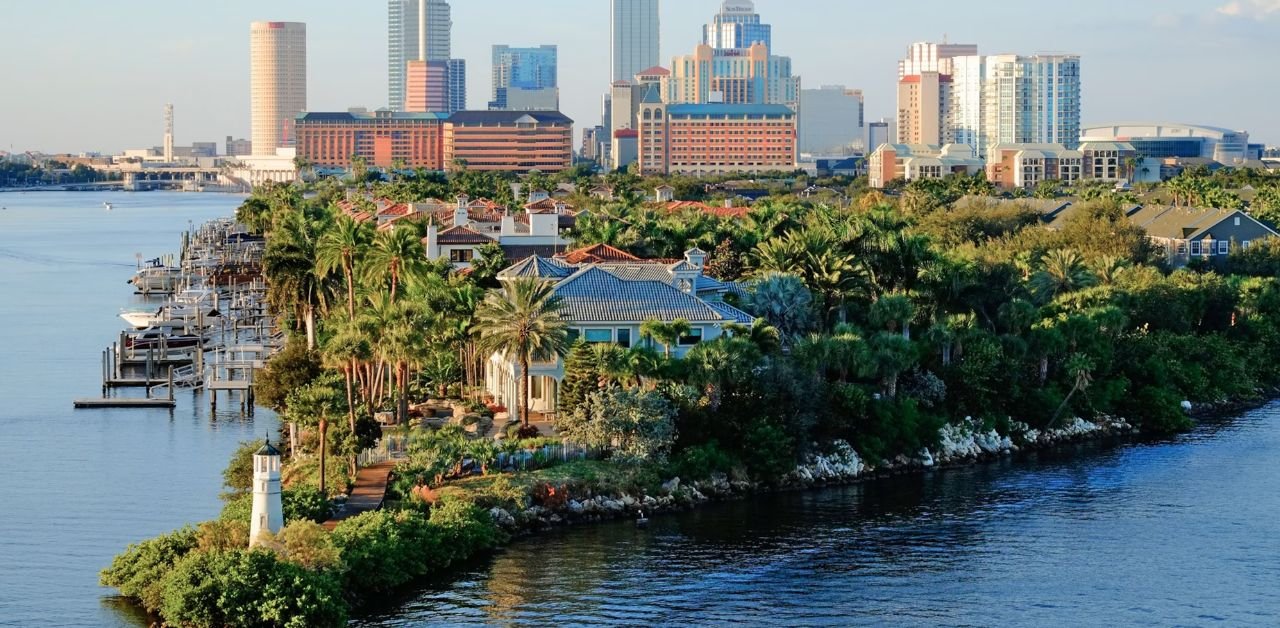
[{"x": 966, "y": 443}]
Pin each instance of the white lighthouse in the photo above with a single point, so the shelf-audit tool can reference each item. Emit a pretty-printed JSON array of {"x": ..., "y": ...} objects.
[{"x": 268, "y": 513}]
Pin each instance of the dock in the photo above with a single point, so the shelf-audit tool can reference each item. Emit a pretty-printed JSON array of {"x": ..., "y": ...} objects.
[
  {"x": 369, "y": 492},
  {"x": 124, "y": 402}
]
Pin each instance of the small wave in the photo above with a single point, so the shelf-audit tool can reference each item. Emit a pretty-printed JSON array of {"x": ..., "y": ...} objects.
[{"x": 53, "y": 260}]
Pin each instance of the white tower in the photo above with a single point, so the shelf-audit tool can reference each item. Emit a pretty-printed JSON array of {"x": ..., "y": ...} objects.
[
  {"x": 168, "y": 134},
  {"x": 268, "y": 513}
]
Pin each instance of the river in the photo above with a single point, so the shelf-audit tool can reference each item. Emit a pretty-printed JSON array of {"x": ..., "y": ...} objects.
[
  {"x": 1179, "y": 532},
  {"x": 1183, "y": 531},
  {"x": 80, "y": 485}
]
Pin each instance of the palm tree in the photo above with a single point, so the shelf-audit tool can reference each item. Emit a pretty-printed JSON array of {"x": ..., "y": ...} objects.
[
  {"x": 396, "y": 256},
  {"x": 1080, "y": 368},
  {"x": 760, "y": 333},
  {"x": 1108, "y": 269},
  {"x": 523, "y": 321},
  {"x": 339, "y": 249},
  {"x": 1062, "y": 271},
  {"x": 667, "y": 333},
  {"x": 289, "y": 264},
  {"x": 891, "y": 354},
  {"x": 783, "y": 301},
  {"x": 893, "y": 312},
  {"x": 343, "y": 350}
]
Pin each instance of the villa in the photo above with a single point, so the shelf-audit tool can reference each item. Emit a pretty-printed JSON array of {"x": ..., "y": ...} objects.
[{"x": 606, "y": 295}]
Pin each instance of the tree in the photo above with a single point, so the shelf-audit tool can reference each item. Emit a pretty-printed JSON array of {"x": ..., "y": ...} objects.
[
  {"x": 396, "y": 256},
  {"x": 522, "y": 321},
  {"x": 1061, "y": 271},
  {"x": 314, "y": 404},
  {"x": 636, "y": 425},
  {"x": 667, "y": 333},
  {"x": 344, "y": 350},
  {"x": 783, "y": 301},
  {"x": 491, "y": 261},
  {"x": 339, "y": 249},
  {"x": 891, "y": 355},
  {"x": 893, "y": 312}
]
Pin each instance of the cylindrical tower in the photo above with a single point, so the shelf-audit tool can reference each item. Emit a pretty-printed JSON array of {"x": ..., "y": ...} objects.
[
  {"x": 277, "y": 83},
  {"x": 268, "y": 511}
]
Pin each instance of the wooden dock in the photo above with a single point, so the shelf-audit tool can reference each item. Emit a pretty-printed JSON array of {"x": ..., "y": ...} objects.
[{"x": 123, "y": 402}]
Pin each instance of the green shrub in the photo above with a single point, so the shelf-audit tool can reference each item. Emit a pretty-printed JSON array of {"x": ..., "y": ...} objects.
[
  {"x": 700, "y": 461},
  {"x": 139, "y": 571},
  {"x": 250, "y": 588},
  {"x": 770, "y": 452},
  {"x": 297, "y": 503}
]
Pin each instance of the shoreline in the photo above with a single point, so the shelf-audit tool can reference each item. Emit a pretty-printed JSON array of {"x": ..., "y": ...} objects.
[{"x": 843, "y": 467}]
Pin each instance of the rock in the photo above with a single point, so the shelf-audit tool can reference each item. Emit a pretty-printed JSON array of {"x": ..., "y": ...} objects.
[
  {"x": 628, "y": 501},
  {"x": 671, "y": 485},
  {"x": 576, "y": 507},
  {"x": 556, "y": 519},
  {"x": 1186, "y": 406},
  {"x": 926, "y": 458},
  {"x": 502, "y": 517},
  {"x": 648, "y": 501}
]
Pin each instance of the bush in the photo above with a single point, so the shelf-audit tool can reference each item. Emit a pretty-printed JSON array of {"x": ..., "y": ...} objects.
[
  {"x": 287, "y": 371},
  {"x": 700, "y": 461},
  {"x": 298, "y": 503},
  {"x": 139, "y": 571},
  {"x": 770, "y": 452},
  {"x": 250, "y": 588},
  {"x": 1156, "y": 409},
  {"x": 308, "y": 545},
  {"x": 238, "y": 476}
]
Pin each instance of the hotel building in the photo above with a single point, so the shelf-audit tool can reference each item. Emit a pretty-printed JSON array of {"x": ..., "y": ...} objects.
[
  {"x": 381, "y": 138},
  {"x": 704, "y": 139},
  {"x": 510, "y": 141}
]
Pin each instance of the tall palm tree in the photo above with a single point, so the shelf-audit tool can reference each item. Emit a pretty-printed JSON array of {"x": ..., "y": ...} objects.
[
  {"x": 760, "y": 333},
  {"x": 343, "y": 351},
  {"x": 522, "y": 321},
  {"x": 891, "y": 354},
  {"x": 340, "y": 249},
  {"x": 396, "y": 256},
  {"x": 289, "y": 264},
  {"x": 893, "y": 312}
]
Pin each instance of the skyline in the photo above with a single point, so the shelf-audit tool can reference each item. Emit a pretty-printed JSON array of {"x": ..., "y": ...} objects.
[{"x": 78, "y": 90}]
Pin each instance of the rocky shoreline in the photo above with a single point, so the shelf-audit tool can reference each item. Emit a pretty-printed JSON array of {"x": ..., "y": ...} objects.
[{"x": 960, "y": 445}]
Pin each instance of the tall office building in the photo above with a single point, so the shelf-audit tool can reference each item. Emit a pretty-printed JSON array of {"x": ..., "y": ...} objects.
[
  {"x": 734, "y": 64},
  {"x": 877, "y": 134},
  {"x": 526, "y": 70},
  {"x": 1015, "y": 99},
  {"x": 831, "y": 121},
  {"x": 421, "y": 30},
  {"x": 737, "y": 25},
  {"x": 924, "y": 92},
  {"x": 277, "y": 82},
  {"x": 633, "y": 37}
]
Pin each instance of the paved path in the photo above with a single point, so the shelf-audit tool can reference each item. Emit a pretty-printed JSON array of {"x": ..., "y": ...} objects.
[{"x": 370, "y": 489}]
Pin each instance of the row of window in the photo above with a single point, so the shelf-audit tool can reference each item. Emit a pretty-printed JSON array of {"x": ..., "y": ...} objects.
[{"x": 621, "y": 336}]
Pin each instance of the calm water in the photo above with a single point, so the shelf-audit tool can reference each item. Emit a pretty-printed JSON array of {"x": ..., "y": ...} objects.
[
  {"x": 79, "y": 485},
  {"x": 1182, "y": 532},
  {"x": 1178, "y": 533}
]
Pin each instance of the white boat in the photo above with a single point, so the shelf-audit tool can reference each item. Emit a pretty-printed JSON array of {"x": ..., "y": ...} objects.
[
  {"x": 188, "y": 305},
  {"x": 106, "y": 205},
  {"x": 156, "y": 278}
]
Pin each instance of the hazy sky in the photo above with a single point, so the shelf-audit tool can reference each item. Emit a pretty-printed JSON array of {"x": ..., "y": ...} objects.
[{"x": 84, "y": 75}]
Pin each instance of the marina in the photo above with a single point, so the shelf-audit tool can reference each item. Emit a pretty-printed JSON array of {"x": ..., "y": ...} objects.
[{"x": 210, "y": 331}]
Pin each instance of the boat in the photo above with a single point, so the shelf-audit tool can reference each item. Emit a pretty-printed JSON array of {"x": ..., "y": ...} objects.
[
  {"x": 156, "y": 277},
  {"x": 106, "y": 205},
  {"x": 189, "y": 305},
  {"x": 159, "y": 338}
]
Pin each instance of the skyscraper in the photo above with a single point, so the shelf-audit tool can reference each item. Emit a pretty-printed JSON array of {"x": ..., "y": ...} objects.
[
  {"x": 1016, "y": 99},
  {"x": 737, "y": 25},
  {"x": 734, "y": 64},
  {"x": 524, "y": 69},
  {"x": 831, "y": 121},
  {"x": 925, "y": 92},
  {"x": 633, "y": 35},
  {"x": 277, "y": 82},
  {"x": 417, "y": 30}
]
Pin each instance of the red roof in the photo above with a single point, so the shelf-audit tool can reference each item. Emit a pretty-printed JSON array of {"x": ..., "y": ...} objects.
[
  {"x": 715, "y": 210},
  {"x": 596, "y": 254},
  {"x": 462, "y": 235},
  {"x": 655, "y": 70},
  {"x": 547, "y": 206}
]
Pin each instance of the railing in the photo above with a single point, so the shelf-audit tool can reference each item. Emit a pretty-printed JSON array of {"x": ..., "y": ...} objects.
[{"x": 388, "y": 448}]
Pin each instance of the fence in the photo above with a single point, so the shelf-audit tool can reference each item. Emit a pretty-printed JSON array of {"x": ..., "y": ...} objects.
[{"x": 388, "y": 448}]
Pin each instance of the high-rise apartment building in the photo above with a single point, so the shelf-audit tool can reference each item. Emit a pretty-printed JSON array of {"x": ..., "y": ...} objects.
[
  {"x": 831, "y": 120},
  {"x": 633, "y": 37},
  {"x": 417, "y": 30},
  {"x": 522, "y": 69},
  {"x": 277, "y": 82},
  {"x": 737, "y": 26},
  {"x": 734, "y": 64},
  {"x": 924, "y": 92},
  {"x": 1014, "y": 99}
]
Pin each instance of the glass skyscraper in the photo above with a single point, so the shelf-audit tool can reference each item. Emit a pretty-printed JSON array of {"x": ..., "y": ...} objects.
[
  {"x": 529, "y": 69},
  {"x": 737, "y": 25},
  {"x": 406, "y": 41},
  {"x": 633, "y": 35}
]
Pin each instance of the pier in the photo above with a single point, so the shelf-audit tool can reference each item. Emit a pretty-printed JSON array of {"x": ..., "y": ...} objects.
[{"x": 212, "y": 332}]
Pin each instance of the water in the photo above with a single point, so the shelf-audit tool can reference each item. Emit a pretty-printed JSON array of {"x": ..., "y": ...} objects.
[
  {"x": 79, "y": 485},
  {"x": 1183, "y": 532},
  {"x": 1177, "y": 532}
]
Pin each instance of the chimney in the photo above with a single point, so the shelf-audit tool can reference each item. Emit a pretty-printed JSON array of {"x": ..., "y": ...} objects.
[
  {"x": 460, "y": 212},
  {"x": 728, "y": 203}
]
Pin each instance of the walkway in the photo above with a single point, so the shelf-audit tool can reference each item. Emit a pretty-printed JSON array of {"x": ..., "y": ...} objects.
[{"x": 370, "y": 489}]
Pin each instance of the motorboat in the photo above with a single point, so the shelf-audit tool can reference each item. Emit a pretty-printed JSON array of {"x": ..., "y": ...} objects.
[
  {"x": 156, "y": 277},
  {"x": 189, "y": 305},
  {"x": 106, "y": 205},
  {"x": 160, "y": 338}
]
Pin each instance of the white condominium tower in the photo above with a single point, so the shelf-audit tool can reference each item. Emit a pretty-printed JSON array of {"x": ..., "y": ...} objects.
[
  {"x": 633, "y": 33},
  {"x": 406, "y": 40},
  {"x": 1015, "y": 99},
  {"x": 277, "y": 82}
]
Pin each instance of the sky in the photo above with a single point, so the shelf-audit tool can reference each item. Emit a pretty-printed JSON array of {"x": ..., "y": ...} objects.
[{"x": 89, "y": 75}]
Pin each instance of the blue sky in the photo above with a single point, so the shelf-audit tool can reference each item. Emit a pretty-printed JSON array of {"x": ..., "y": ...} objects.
[{"x": 94, "y": 75}]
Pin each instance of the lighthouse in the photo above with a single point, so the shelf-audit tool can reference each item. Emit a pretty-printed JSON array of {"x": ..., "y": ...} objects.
[{"x": 268, "y": 513}]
